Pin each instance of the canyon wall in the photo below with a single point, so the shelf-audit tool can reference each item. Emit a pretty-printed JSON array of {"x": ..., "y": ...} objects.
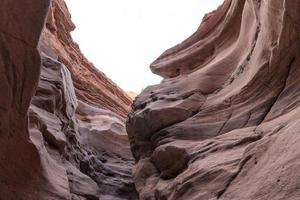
[
  {"x": 84, "y": 149},
  {"x": 91, "y": 85},
  {"x": 62, "y": 121},
  {"x": 78, "y": 115},
  {"x": 224, "y": 122},
  {"x": 22, "y": 175}
]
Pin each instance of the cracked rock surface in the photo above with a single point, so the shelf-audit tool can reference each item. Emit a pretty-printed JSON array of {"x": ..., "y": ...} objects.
[{"x": 224, "y": 122}]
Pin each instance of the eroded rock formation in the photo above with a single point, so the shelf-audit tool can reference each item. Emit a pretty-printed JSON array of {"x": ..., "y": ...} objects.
[
  {"x": 84, "y": 149},
  {"x": 91, "y": 85},
  {"x": 21, "y": 169},
  {"x": 59, "y": 140},
  {"x": 223, "y": 124}
]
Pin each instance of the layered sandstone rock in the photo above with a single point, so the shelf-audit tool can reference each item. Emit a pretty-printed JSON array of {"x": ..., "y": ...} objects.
[
  {"x": 54, "y": 146},
  {"x": 223, "y": 124},
  {"x": 84, "y": 149},
  {"x": 91, "y": 85},
  {"x": 92, "y": 140}
]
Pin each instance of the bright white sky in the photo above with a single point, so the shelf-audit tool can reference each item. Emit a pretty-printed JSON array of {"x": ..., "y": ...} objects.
[{"x": 123, "y": 37}]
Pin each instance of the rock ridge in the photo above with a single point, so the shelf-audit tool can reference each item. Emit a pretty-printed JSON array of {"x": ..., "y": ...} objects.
[
  {"x": 228, "y": 95},
  {"x": 91, "y": 85}
]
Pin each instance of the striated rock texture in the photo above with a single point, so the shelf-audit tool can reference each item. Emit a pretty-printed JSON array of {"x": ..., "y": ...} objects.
[
  {"x": 54, "y": 146},
  {"x": 83, "y": 149},
  {"x": 224, "y": 122},
  {"x": 91, "y": 85},
  {"x": 86, "y": 138}
]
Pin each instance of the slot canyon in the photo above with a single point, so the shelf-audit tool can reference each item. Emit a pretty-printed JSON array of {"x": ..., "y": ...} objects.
[{"x": 222, "y": 124}]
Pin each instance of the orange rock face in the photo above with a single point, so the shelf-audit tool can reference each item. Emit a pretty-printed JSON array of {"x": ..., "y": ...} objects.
[
  {"x": 223, "y": 123},
  {"x": 91, "y": 85}
]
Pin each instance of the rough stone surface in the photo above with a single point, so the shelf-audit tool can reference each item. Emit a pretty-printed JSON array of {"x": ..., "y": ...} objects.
[
  {"x": 54, "y": 146},
  {"x": 81, "y": 184},
  {"x": 110, "y": 161},
  {"x": 223, "y": 124},
  {"x": 91, "y": 85},
  {"x": 84, "y": 149}
]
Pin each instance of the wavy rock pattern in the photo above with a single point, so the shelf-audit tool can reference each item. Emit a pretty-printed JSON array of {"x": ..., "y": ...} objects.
[
  {"x": 54, "y": 146},
  {"x": 223, "y": 122},
  {"x": 84, "y": 150}
]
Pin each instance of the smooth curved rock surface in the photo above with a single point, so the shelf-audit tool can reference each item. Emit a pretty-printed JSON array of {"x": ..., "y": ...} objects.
[
  {"x": 223, "y": 123},
  {"x": 22, "y": 176}
]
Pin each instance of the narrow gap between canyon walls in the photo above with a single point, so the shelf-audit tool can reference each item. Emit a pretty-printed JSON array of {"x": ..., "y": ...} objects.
[{"x": 223, "y": 124}]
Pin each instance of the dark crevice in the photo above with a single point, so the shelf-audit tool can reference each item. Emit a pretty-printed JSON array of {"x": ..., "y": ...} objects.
[
  {"x": 248, "y": 119},
  {"x": 240, "y": 69},
  {"x": 242, "y": 164},
  {"x": 245, "y": 160},
  {"x": 224, "y": 124},
  {"x": 279, "y": 94}
]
